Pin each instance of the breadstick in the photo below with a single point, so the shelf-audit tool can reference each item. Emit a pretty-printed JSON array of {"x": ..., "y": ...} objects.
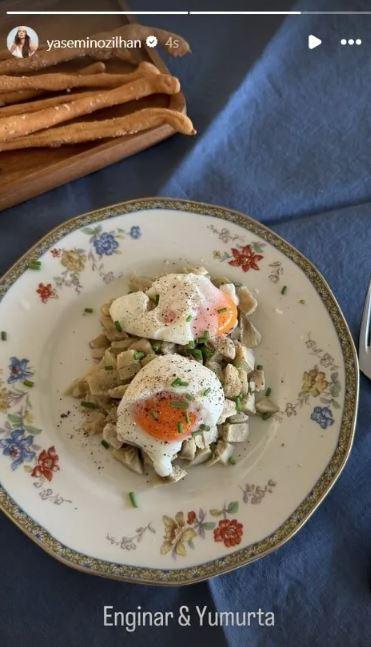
[
  {"x": 92, "y": 130},
  {"x": 57, "y": 81},
  {"x": 43, "y": 58},
  {"x": 23, "y": 95},
  {"x": 34, "y": 106},
  {"x": 24, "y": 124}
]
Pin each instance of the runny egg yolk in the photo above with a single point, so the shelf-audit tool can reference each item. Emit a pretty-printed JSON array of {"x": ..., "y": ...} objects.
[
  {"x": 227, "y": 316},
  {"x": 166, "y": 417}
]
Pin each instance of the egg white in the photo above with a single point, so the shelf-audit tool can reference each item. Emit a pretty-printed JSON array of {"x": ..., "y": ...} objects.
[{"x": 156, "y": 377}]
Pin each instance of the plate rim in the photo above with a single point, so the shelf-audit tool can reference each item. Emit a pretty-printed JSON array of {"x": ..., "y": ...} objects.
[{"x": 325, "y": 482}]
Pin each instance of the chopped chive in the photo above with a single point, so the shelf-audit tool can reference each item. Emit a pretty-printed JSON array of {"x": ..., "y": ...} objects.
[
  {"x": 108, "y": 368},
  {"x": 28, "y": 383},
  {"x": 238, "y": 401},
  {"x": 302, "y": 301},
  {"x": 284, "y": 289},
  {"x": 133, "y": 499},
  {"x": 187, "y": 418},
  {"x": 197, "y": 354},
  {"x": 223, "y": 310},
  {"x": 138, "y": 354},
  {"x": 207, "y": 352},
  {"x": 156, "y": 345},
  {"x": 204, "y": 427},
  {"x": 259, "y": 367},
  {"x": 156, "y": 299},
  {"x": 268, "y": 391},
  {"x": 118, "y": 326},
  {"x": 179, "y": 404},
  {"x": 231, "y": 460},
  {"x": 88, "y": 310},
  {"x": 89, "y": 405},
  {"x": 105, "y": 444},
  {"x": 153, "y": 415},
  {"x": 179, "y": 382},
  {"x": 180, "y": 428},
  {"x": 197, "y": 432},
  {"x": 204, "y": 337},
  {"x": 205, "y": 392},
  {"x": 4, "y": 335},
  {"x": 34, "y": 265},
  {"x": 189, "y": 397},
  {"x": 189, "y": 318},
  {"x": 191, "y": 345},
  {"x": 266, "y": 415}
]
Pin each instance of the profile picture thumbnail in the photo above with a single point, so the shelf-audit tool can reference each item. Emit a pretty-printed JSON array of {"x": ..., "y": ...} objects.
[{"x": 22, "y": 41}]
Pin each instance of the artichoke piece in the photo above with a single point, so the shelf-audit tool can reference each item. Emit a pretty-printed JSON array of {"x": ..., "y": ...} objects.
[
  {"x": 139, "y": 283},
  {"x": 78, "y": 388},
  {"x": 147, "y": 359},
  {"x": 118, "y": 391},
  {"x": 120, "y": 345},
  {"x": 110, "y": 329},
  {"x": 238, "y": 417},
  {"x": 224, "y": 346},
  {"x": 100, "y": 341},
  {"x": 130, "y": 457},
  {"x": 97, "y": 353},
  {"x": 109, "y": 360},
  {"x": 266, "y": 405},
  {"x": 222, "y": 453},
  {"x": 205, "y": 438},
  {"x": 250, "y": 336},
  {"x": 202, "y": 455},
  {"x": 247, "y": 302},
  {"x": 94, "y": 422},
  {"x": 110, "y": 435},
  {"x": 229, "y": 409},
  {"x": 177, "y": 474},
  {"x": 248, "y": 403},
  {"x": 142, "y": 345},
  {"x": 236, "y": 433},
  {"x": 244, "y": 358},
  {"x": 100, "y": 380},
  {"x": 127, "y": 365},
  {"x": 231, "y": 382},
  {"x": 257, "y": 380},
  {"x": 188, "y": 450}
]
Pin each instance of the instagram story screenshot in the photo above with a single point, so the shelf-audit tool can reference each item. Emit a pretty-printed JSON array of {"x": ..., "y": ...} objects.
[{"x": 185, "y": 323}]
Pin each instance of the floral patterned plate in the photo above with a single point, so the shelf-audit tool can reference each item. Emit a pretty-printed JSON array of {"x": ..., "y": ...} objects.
[{"x": 67, "y": 493}]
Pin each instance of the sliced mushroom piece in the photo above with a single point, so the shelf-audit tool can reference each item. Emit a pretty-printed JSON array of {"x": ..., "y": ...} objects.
[
  {"x": 139, "y": 283},
  {"x": 100, "y": 341},
  {"x": 229, "y": 409},
  {"x": 266, "y": 405},
  {"x": 110, "y": 435},
  {"x": 118, "y": 391},
  {"x": 231, "y": 381},
  {"x": 236, "y": 433},
  {"x": 250, "y": 336},
  {"x": 230, "y": 290},
  {"x": 257, "y": 378},
  {"x": 142, "y": 345},
  {"x": 100, "y": 380},
  {"x": 224, "y": 346},
  {"x": 244, "y": 358},
  {"x": 202, "y": 455},
  {"x": 188, "y": 450},
  {"x": 222, "y": 453},
  {"x": 94, "y": 422},
  {"x": 127, "y": 364},
  {"x": 130, "y": 457},
  {"x": 247, "y": 302}
]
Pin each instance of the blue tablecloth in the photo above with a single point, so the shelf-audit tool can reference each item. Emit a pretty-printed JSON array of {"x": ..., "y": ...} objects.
[{"x": 284, "y": 135}]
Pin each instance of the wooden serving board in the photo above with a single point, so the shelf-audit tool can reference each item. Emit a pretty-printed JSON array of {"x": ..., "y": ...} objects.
[{"x": 26, "y": 174}]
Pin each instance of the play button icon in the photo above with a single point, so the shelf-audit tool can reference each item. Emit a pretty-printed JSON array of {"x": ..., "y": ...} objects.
[{"x": 313, "y": 41}]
